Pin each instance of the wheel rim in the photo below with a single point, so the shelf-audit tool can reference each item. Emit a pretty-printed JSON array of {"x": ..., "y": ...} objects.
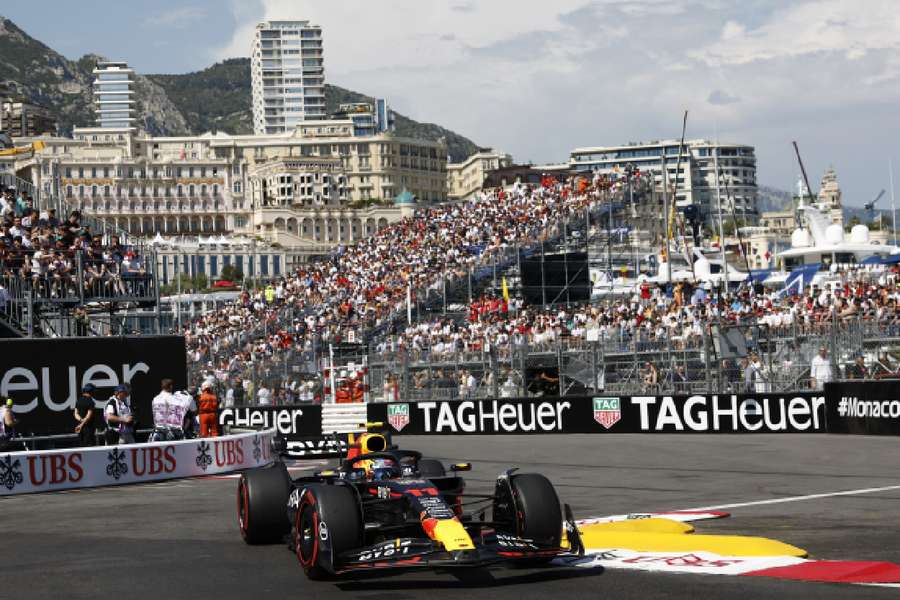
[{"x": 307, "y": 538}]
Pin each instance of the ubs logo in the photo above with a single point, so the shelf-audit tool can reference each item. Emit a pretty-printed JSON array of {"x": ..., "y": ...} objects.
[
  {"x": 203, "y": 457},
  {"x": 10, "y": 472}
]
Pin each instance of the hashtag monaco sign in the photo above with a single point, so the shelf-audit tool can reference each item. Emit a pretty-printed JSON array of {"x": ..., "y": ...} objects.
[{"x": 863, "y": 407}]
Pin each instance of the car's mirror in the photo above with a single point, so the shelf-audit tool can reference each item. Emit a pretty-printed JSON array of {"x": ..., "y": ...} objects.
[{"x": 457, "y": 467}]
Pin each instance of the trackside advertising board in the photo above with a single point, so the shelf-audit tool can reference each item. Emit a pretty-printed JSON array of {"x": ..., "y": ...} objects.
[
  {"x": 299, "y": 425},
  {"x": 866, "y": 407},
  {"x": 722, "y": 413},
  {"x": 44, "y": 377},
  {"x": 52, "y": 470}
]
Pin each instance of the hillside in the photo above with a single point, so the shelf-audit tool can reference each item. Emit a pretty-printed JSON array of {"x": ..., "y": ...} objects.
[{"x": 217, "y": 97}]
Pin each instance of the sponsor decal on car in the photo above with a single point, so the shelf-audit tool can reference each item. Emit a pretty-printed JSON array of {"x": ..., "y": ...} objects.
[
  {"x": 607, "y": 411},
  {"x": 398, "y": 415}
]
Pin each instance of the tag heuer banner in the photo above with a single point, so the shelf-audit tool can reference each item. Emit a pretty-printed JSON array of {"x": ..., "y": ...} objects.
[{"x": 723, "y": 413}]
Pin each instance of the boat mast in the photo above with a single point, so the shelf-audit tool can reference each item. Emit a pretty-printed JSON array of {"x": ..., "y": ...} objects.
[
  {"x": 721, "y": 226},
  {"x": 893, "y": 204}
]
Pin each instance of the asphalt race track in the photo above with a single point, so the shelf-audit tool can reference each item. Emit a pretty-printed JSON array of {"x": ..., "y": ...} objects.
[{"x": 180, "y": 540}]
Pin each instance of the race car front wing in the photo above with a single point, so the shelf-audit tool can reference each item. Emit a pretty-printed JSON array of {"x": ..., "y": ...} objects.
[{"x": 491, "y": 548}]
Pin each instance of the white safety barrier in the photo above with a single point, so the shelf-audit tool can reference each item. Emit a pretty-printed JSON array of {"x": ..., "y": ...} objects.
[
  {"x": 343, "y": 418},
  {"x": 51, "y": 470}
]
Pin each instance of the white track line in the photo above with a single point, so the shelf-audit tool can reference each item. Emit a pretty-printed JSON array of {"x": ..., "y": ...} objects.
[{"x": 798, "y": 498}]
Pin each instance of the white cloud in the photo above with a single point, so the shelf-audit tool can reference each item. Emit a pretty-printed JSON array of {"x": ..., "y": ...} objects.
[
  {"x": 840, "y": 26},
  {"x": 537, "y": 79},
  {"x": 361, "y": 35},
  {"x": 177, "y": 18}
]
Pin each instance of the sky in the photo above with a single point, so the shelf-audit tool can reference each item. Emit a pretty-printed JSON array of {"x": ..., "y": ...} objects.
[{"x": 536, "y": 79}]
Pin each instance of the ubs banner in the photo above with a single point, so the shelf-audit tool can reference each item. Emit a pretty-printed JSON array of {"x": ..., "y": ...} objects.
[
  {"x": 788, "y": 413},
  {"x": 44, "y": 377},
  {"x": 300, "y": 426},
  {"x": 868, "y": 407}
]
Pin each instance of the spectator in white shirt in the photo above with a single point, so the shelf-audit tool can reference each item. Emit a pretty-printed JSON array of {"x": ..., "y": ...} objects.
[{"x": 820, "y": 371}]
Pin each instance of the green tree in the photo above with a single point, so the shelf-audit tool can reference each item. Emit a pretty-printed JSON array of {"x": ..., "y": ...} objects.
[
  {"x": 231, "y": 273},
  {"x": 728, "y": 227},
  {"x": 189, "y": 284}
]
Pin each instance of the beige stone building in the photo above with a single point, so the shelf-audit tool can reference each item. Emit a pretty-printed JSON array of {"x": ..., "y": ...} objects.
[
  {"x": 309, "y": 190},
  {"x": 467, "y": 177}
]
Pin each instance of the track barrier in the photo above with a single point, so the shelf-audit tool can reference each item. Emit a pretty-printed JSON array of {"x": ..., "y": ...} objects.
[
  {"x": 44, "y": 377},
  {"x": 52, "y": 470}
]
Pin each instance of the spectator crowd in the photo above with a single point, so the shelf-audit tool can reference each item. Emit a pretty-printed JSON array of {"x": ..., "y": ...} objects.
[
  {"x": 360, "y": 288},
  {"x": 40, "y": 252}
]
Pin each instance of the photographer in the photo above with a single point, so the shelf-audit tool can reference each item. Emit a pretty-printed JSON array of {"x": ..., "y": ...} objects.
[{"x": 119, "y": 418}]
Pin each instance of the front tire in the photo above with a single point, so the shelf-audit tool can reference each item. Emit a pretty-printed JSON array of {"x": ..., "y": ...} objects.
[
  {"x": 262, "y": 504},
  {"x": 328, "y": 523},
  {"x": 539, "y": 516},
  {"x": 531, "y": 513}
]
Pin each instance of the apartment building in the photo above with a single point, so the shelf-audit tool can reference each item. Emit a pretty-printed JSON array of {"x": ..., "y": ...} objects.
[
  {"x": 287, "y": 70},
  {"x": 692, "y": 172}
]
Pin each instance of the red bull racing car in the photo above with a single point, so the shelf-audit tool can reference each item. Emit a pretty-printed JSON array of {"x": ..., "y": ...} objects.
[{"x": 386, "y": 508}]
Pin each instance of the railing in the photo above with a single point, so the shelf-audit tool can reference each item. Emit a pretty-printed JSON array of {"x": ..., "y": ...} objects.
[
  {"x": 569, "y": 365},
  {"x": 24, "y": 300}
]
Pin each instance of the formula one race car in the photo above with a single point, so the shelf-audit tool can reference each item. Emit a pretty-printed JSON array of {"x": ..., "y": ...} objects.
[{"x": 386, "y": 508}]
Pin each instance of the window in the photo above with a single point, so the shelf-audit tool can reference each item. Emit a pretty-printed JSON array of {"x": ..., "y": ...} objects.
[{"x": 264, "y": 264}]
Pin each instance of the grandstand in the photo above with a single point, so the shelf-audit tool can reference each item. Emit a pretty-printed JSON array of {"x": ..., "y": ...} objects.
[
  {"x": 65, "y": 273},
  {"x": 402, "y": 301}
]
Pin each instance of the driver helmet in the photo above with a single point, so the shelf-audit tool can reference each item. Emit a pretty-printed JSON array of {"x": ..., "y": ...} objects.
[{"x": 383, "y": 468}]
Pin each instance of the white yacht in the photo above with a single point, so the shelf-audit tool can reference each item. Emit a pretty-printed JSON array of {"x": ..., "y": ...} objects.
[{"x": 825, "y": 245}]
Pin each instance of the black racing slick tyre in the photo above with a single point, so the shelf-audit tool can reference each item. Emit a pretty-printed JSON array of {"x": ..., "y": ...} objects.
[
  {"x": 429, "y": 467},
  {"x": 328, "y": 523},
  {"x": 539, "y": 516},
  {"x": 262, "y": 504},
  {"x": 532, "y": 512}
]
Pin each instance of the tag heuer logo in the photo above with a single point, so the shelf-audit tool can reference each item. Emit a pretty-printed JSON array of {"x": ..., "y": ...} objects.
[
  {"x": 607, "y": 411},
  {"x": 398, "y": 415}
]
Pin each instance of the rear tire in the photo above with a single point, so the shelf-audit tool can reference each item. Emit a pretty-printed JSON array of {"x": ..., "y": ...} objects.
[
  {"x": 429, "y": 467},
  {"x": 262, "y": 504},
  {"x": 327, "y": 513}
]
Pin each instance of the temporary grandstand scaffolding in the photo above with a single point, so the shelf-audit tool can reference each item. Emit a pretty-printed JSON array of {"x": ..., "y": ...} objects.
[{"x": 79, "y": 304}]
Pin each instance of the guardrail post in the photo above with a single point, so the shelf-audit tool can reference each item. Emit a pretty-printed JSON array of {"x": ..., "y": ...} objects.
[{"x": 29, "y": 323}]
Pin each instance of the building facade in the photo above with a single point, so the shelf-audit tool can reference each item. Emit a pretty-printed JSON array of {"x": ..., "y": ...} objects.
[
  {"x": 467, "y": 177},
  {"x": 287, "y": 70},
  {"x": 25, "y": 119},
  {"x": 693, "y": 172},
  {"x": 308, "y": 190},
  {"x": 114, "y": 95},
  {"x": 368, "y": 118},
  {"x": 208, "y": 256}
]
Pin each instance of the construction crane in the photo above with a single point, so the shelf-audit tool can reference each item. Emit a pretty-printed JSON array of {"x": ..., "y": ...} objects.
[
  {"x": 28, "y": 149},
  {"x": 870, "y": 206}
]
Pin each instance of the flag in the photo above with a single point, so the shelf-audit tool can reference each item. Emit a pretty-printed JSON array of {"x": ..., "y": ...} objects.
[{"x": 505, "y": 290}]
